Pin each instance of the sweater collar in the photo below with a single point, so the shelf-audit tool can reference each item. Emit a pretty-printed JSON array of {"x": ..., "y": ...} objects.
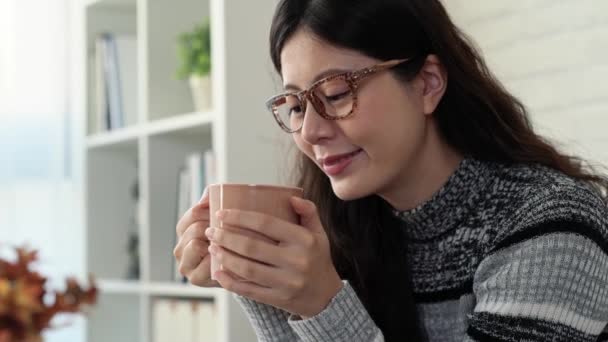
[{"x": 450, "y": 204}]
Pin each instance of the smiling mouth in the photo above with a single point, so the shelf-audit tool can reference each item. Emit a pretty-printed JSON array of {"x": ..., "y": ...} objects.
[
  {"x": 335, "y": 165},
  {"x": 336, "y": 159}
]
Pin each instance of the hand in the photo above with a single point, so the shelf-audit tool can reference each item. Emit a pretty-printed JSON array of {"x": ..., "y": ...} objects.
[
  {"x": 191, "y": 250},
  {"x": 296, "y": 273}
]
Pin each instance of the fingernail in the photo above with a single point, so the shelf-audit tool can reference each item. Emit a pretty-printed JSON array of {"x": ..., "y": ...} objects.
[
  {"x": 210, "y": 232},
  {"x": 203, "y": 196}
]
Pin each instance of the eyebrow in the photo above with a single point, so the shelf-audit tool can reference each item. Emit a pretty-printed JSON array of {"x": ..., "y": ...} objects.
[{"x": 320, "y": 76}]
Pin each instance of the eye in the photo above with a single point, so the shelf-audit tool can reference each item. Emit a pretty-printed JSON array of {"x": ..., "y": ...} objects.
[
  {"x": 295, "y": 110},
  {"x": 337, "y": 97}
]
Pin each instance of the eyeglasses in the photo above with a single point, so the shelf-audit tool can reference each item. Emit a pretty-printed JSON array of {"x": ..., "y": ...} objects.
[{"x": 334, "y": 97}]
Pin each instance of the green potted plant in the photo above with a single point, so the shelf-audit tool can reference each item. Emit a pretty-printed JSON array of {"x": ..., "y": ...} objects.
[{"x": 194, "y": 52}]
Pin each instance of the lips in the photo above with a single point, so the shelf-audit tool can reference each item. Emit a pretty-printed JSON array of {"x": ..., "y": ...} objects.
[
  {"x": 331, "y": 160},
  {"x": 335, "y": 165}
]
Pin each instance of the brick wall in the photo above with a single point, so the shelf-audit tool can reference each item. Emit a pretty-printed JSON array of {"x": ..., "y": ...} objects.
[{"x": 552, "y": 55}]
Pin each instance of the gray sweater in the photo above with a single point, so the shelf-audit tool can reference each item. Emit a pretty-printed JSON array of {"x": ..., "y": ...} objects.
[{"x": 501, "y": 252}]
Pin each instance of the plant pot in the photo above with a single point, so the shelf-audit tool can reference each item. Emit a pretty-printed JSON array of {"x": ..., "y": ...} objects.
[{"x": 201, "y": 92}]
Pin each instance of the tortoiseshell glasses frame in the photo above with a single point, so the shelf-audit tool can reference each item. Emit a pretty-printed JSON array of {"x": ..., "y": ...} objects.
[{"x": 352, "y": 78}]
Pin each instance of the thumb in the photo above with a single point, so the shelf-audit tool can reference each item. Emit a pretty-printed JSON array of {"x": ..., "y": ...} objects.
[{"x": 309, "y": 215}]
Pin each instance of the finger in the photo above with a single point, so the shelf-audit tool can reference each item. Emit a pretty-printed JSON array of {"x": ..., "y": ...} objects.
[
  {"x": 194, "y": 231},
  {"x": 194, "y": 252},
  {"x": 270, "y": 226},
  {"x": 247, "y": 289},
  {"x": 309, "y": 217},
  {"x": 248, "y": 269},
  {"x": 201, "y": 275},
  {"x": 246, "y": 246},
  {"x": 198, "y": 212}
]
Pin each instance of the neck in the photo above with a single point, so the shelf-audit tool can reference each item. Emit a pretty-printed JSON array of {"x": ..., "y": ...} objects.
[{"x": 428, "y": 171}]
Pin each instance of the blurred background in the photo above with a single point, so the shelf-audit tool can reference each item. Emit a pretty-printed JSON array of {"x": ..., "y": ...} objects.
[{"x": 114, "y": 114}]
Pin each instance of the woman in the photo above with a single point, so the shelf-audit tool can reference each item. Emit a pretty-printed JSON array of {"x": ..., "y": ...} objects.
[{"x": 435, "y": 213}]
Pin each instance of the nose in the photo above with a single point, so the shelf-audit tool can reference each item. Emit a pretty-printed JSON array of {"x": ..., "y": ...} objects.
[{"x": 315, "y": 128}]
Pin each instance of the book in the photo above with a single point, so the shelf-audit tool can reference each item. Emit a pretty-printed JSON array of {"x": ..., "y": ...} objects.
[
  {"x": 161, "y": 313},
  {"x": 182, "y": 320},
  {"x": 101, "y": 109},
  {"x": 126, "y": 62},
  {"x": 116, "y": 81},
  {"x": 183, "y": 192},
  {"x": 205, "y": 322},
  {"x": 187, "y": 320},
  {"x": 202, "y": 170},
  {"x": 196, "y": 168},
  {"x": 210, "y": 168},
  {"x": 198, "y": 171},
  {"x": 183, "y": 202},
  {"x": 112, "y": 82}
]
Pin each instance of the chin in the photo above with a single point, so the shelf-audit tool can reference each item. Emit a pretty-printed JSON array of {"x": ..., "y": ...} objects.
[{"x": 348, "y": 191}]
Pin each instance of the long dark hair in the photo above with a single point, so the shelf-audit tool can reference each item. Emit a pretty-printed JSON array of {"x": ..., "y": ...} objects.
[{"x": 476, "y": 115}]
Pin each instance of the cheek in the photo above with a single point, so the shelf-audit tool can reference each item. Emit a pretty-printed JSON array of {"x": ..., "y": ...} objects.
[{"x": 388, "y": 124}]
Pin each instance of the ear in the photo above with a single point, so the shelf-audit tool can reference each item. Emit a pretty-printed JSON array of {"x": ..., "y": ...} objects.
[{"x": 434, "y": 78}]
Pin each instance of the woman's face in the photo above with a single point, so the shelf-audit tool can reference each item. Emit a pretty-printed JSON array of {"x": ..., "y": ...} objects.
[{"x": 379, "y": 141}]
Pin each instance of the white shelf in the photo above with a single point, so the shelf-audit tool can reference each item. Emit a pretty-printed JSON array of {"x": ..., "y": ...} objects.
[
  {"x": 189, "y": 121},
  {"x": 157, "y": 289},
  {"x": 152, "y": 149},
  {"x": 179, "y": 122},
  {"x": 120, "y": 286},
  {"x": 116, "y": 137},
  {"x": 181, "y": 290},
  {"x": 110, "y": 3}
]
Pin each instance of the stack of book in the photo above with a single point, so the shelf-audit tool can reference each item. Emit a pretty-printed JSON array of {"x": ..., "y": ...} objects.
[
  {"x": 115, "y": 84},
  {"x": 184, "y": 320},
  {"x": 197, "y": 172}
]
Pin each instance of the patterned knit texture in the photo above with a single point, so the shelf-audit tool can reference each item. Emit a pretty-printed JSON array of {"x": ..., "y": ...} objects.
[{"x": 499, "y": 253}]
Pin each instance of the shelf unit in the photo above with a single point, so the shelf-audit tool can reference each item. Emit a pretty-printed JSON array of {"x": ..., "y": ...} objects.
[{"x": 152, "y": 147}]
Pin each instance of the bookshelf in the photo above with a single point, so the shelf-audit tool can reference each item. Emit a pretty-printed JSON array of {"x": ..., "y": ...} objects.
[{"x": 153, "y": 145}]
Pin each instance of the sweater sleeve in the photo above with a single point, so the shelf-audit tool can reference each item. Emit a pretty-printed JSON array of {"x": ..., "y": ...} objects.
[
  {"x": 269, "y": 323},
  {"x": 545, "y": 283},
  {"x": 345, "y": 319}
]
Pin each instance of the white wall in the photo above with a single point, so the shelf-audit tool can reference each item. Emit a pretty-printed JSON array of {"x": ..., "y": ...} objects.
[
  {"x": 40, "y": 156},
  {"x": 553, "y": 55}
]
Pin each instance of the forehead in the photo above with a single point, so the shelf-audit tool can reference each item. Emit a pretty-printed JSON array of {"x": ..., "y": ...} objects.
[{"x": 304, "y": 55}]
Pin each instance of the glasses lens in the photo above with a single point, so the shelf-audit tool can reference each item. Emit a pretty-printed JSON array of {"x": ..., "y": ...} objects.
[
  {"x": 336, "y": 96},
  {"x": 289, "y": 111}
]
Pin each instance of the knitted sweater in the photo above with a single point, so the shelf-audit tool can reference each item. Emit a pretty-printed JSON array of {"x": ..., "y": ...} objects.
[{"x": 500, "y": 252}]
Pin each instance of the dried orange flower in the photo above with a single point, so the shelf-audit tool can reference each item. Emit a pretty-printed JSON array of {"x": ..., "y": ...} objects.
[{"x": 23, "y": 312}]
